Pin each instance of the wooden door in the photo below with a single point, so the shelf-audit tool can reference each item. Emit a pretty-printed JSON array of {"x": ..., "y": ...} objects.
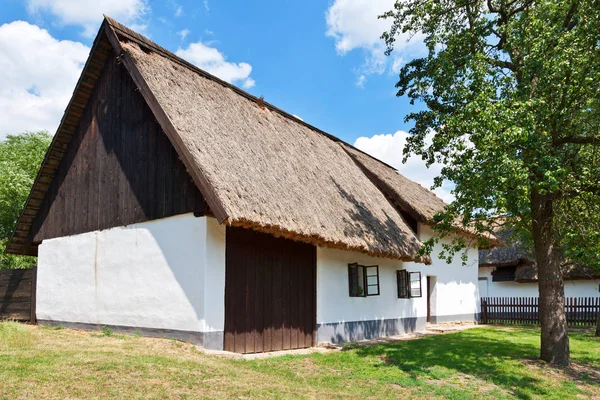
[{"x": 270, "y": 293}]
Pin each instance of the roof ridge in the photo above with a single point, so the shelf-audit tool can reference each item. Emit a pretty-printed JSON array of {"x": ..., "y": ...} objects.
[{"x": 130, "y": 34}]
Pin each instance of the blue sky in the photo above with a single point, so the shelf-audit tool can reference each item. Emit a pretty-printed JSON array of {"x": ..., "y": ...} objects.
[{"x": 321, "y": 61}]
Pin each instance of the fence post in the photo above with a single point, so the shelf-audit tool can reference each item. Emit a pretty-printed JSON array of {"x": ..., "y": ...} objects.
[
  {"x": 32, "y": 318},
  {"x": 483, "y": 311}
]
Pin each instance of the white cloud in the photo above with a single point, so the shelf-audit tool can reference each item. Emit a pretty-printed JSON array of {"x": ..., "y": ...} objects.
[
  {"x": 388, "y": 148},
  {"x": 178, "y": 11},
  {"x": 249, "y": 83},
  {"x": 183, "y": 33},
  {"x": 88, "y": 13},
  {"x": 206, "y": 6},
  {"x": 353, "y": 24},
  {"x": 213, "y": 61},
  {"x": 37, "y": 77},
  {"x": 360, "y": 82}
]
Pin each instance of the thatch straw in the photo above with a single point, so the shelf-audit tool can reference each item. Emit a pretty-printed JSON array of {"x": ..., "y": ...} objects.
[
  {"x": 512, "y": 255},
  {"x": 421, "y": 203},
  {"x": 269, "y": 172}
]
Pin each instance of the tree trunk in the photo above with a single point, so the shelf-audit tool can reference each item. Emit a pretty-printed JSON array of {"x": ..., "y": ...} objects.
[{"x": 555, "y": 339}]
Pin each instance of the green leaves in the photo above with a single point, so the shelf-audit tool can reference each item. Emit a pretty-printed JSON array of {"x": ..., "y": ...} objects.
[
  {"x": 20, "y": 159},
  {"x": 512, "y": 95}
]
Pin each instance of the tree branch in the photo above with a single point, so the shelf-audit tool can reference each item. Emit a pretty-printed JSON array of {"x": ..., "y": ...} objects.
[
  {"x": 568, "y": 23},
  {"x": 592, "y": 189},
  {"x": 576, "y": 140},
  {"x": 502, "y": 64}
]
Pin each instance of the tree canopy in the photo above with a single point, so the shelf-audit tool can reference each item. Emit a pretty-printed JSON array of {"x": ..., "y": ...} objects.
[
  {"x": 511, "y": 90},
  {"x": 20, "y": 159}
]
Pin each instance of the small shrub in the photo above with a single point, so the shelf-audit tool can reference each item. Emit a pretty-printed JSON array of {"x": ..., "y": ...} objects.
[
  {"x": 14, "y": 335},
  {"x": 53, "y": 327},
  {"x": 106, "y": 331}
]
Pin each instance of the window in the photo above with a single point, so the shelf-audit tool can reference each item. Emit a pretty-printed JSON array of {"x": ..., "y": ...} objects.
[
  {"x": 409, "y": 284},
  {"x": 402, "y": 280},
  {"x": 363, "y": 280},
  {"x": 504, "y": 274}
]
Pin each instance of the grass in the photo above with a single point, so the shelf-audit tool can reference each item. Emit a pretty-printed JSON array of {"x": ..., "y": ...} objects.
[{"x": 494, "y": 363}]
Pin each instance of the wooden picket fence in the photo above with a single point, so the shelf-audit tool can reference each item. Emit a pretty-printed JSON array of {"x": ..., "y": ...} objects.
[{"x": 580, "y": 311}]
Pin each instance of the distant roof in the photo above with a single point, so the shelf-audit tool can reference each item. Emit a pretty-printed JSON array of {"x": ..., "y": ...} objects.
[
  {"x": 507, "y": 255},
  {"x": 516, "y": 255},
  {"x": 256, "y": 165},
  {"x": 528, "y": 273}
]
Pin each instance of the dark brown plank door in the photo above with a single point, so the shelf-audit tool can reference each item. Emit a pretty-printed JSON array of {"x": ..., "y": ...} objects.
[{"x": 270, "y": 293}]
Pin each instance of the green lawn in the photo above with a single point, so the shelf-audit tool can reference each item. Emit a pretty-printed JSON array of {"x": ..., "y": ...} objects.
[{"x": 38, "y": 362}]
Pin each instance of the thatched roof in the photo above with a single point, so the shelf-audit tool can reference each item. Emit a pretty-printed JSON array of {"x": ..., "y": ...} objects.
[
  {"x": 409, "y": 195},
  {"x": 528, "y": 273},
  {"x": 421, "y": 203},
  {"x": 257, "y": 166},
  {"x": 508, "y": 255},
  {"x": 269, "y": 172}
]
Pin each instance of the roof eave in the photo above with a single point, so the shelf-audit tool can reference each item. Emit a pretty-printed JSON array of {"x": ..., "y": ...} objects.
[{"x": 20, "y": 241}]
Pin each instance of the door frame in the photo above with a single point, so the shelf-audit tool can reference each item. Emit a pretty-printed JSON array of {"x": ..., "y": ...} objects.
[{"x": 428, "y": 299}]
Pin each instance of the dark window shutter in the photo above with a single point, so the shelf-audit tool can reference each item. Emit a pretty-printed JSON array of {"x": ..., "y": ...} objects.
[
  {"x": 353, "y": 279},
  {"x": 402, "y": 281}
]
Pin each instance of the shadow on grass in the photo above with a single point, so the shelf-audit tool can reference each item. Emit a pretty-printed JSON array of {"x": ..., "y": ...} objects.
[{"x": 492, "y": 356}]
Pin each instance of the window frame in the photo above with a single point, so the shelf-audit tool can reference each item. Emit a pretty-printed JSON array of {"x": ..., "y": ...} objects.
[
  {"x": 367, "y": 276},
  {"x": 410, "y": 286},
  {"x": 357, "y": 274},
  {"x": 404, "y": 283}
]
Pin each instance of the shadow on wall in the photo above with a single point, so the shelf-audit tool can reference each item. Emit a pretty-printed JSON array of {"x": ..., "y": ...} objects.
[{"x": 177, "y": 240}]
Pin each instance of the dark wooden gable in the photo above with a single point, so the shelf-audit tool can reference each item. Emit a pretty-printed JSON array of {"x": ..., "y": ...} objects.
[{"x": 119, "y": 167}]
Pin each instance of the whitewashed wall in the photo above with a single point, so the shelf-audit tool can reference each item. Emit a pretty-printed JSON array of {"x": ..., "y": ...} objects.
[
  {"x": 573, "y": 288},
  {"x": 340, "y": 317},
  {"x": 456, "y": 291},
  {"x": 166, "y": 274}
]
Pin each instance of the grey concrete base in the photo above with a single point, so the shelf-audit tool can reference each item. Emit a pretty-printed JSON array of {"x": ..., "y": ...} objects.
[
  {"x": 340, "y": 332},
  {"x": 212, "y": 340},
  {"x": 208, "y": 340},
  {"x": 438, "y": 319}
]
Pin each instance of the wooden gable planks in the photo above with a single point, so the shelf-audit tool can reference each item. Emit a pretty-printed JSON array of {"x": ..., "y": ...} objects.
[
  {"x": 61, "y": 210},
  {"x": 98, "y": 184}
]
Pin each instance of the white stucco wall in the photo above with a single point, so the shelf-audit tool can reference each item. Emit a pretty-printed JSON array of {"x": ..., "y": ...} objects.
[
  {"x": 573, "y": 288},
  {"x": 455, "y": 292},
  {"x": 334, "y": 303},
  {"x": 170, "y": 274},
  {"x": 165, "y": 274}
]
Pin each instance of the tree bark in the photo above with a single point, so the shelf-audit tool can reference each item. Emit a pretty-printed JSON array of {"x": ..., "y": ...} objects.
[{"x": 554, "y": 338}]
